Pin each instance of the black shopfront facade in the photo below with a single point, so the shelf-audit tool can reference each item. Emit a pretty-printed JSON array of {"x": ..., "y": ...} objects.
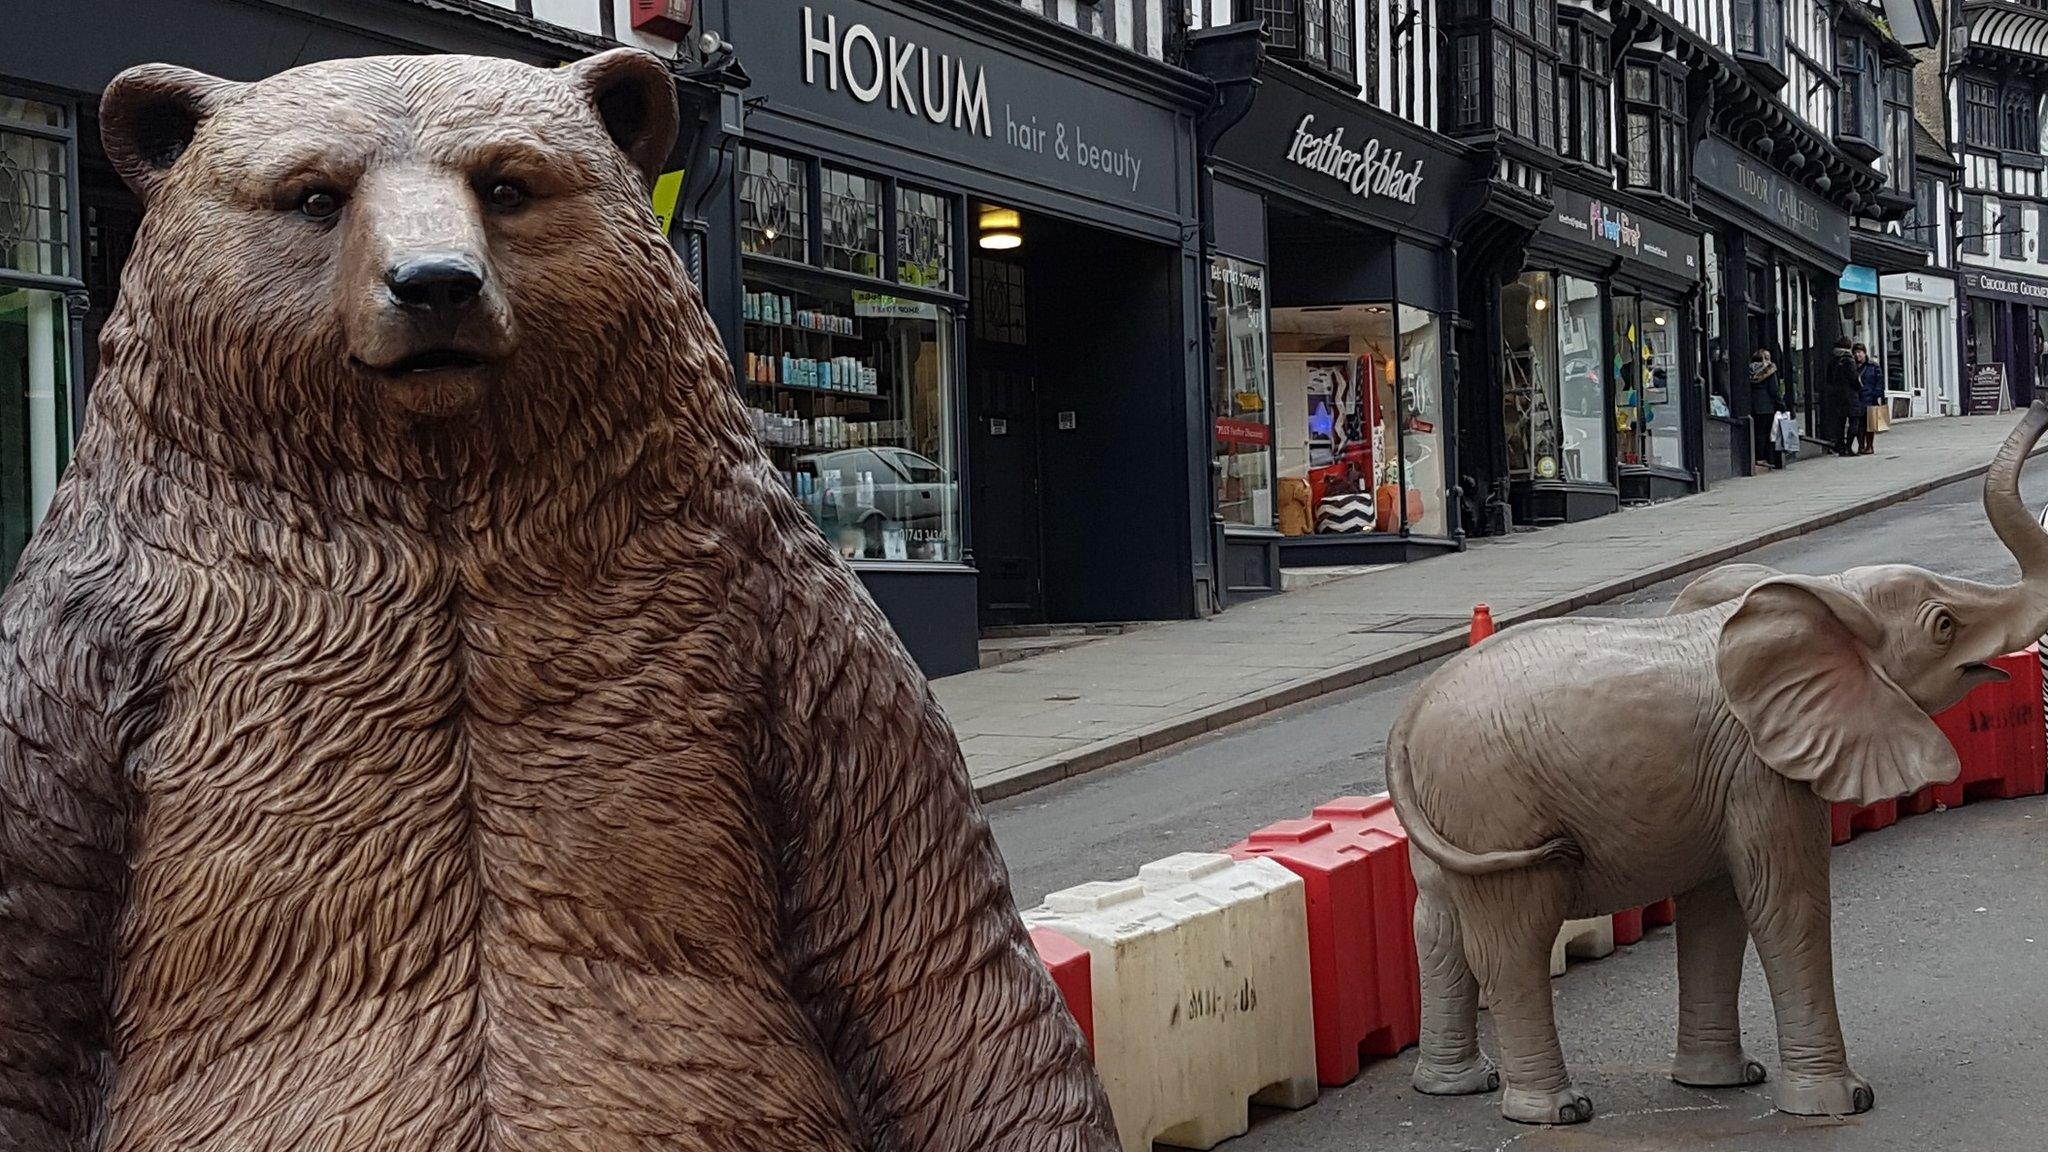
[
  {"x": 2005, "y": 336},
  {"x": 1775, "y": 252},
  {"x": 961, "y": 288},
  {"x": 1600, "y": 397},
  {"x": 1332, "y": 422}
]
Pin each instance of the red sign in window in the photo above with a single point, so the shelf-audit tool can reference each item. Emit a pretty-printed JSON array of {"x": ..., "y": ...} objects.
[
  {"x": 670, "y": 19},
  {"x": 1233, "y": 431}
]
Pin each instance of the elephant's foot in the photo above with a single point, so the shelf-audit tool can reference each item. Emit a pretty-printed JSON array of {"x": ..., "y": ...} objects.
[
  {"x": 1468, "y": 1079},
  {"x": 1845, "y": 1095},
  {"x": 1717, "y": 1068},
  {"x": 1567, "y": 1105}
]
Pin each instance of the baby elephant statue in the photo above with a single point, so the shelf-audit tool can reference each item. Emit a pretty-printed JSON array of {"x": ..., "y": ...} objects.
[{"x": 1576, "y": 767}]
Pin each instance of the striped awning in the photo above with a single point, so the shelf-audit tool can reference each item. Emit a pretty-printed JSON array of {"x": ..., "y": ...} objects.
[{"x": 2008, "y": 28}]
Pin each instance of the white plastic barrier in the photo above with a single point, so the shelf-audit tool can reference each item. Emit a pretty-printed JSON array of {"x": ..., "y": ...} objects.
[
  {"x": 1589, "y": 939},
  {"x": 1200, "y": 973}
]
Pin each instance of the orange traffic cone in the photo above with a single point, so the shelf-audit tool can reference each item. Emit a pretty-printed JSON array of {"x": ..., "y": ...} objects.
[{"x": 1482, "y": 625}]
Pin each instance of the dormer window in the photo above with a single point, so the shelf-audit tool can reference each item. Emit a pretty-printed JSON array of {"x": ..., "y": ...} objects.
[
  {"x": 1858, "y": 68},
  {"x": 1322, "y": 34}
]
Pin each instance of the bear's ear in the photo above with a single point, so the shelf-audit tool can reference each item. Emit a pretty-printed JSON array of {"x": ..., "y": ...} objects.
[
  {"x": 148, "y": 118},
  {"x": 635, "y": 97}
]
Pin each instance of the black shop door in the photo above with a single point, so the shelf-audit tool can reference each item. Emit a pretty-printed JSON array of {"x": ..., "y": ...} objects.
[{"x": 1009, "y": 548}]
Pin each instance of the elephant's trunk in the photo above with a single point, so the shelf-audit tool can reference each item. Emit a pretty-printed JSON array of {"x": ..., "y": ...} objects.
[{"x": 2021, "y": 534}]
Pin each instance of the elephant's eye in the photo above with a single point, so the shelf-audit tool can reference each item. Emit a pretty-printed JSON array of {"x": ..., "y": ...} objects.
[{"x": 1944, "y": 626}]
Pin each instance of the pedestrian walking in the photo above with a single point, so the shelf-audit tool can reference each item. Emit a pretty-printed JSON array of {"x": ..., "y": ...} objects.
[
  {"x": 1842, "y": 400},
  {"x": 1766, "y": 400},
  {"x": 1871, "y": 379}
]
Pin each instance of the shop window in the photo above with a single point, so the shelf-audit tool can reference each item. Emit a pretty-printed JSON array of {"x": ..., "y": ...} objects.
[
  {"x": 1894, "y": 346},
  {"x": 1582, "y": 390},
  {"x": 774, "y": 205},
  {"x": 35, "y": 416},
  {"x": 1649, "y": 396},
  {"x": 1243, "y": 401},
  {"x": 1357, "y": 411},
  {"x": 35, "y": 189},
  {"x": 924, "y": 239},
  {"x": 850, "y": 221},
  {"x": 1529, "y": 389},
  {"x": 850, "y": 392},
  {"x": 848, "y": 371},
  {"x": 1980, "y": 114},
  {"x": 1421, "y": 432},
  {"x": 1664, "y": 391},
  {"x": 1555, "y": 391},
  {"x": 998, "y": 295},
  {"x": 38, "y": 214}
]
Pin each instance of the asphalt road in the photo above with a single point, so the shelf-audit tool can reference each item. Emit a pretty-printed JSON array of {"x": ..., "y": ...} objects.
[{"x": 1943, "y": 988}]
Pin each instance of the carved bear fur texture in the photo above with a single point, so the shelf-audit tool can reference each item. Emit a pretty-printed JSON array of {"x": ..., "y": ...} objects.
[{"x": 426, "y": 722}]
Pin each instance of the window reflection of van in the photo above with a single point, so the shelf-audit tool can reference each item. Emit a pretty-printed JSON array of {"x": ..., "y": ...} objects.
[{"x": 909, "y": 489}]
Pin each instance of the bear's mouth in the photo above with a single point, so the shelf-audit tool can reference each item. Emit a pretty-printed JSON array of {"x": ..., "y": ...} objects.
[{"x": 432, "y": 360}]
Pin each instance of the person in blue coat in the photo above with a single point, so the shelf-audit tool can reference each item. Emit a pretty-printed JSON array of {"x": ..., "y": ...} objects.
[{"x": 1870, "y": 379}]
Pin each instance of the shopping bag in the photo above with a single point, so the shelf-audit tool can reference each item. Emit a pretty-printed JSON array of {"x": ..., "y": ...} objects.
[{"x": 1879, "y": 418}]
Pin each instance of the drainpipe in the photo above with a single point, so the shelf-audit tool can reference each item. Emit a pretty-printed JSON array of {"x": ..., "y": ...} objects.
[{"x": 1229, "y": 55}]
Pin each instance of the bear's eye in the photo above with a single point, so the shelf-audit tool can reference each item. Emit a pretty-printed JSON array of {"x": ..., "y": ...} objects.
[
  {"x": 319, "y": 204},
  {"x": 504, "y": 195}
]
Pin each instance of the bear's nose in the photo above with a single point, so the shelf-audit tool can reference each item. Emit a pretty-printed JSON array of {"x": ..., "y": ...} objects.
[{"x": 438, "y": 281}]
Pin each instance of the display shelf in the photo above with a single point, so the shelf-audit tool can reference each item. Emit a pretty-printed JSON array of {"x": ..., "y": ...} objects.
[
  {"x": 776, "y": 326},
  {"x": 813, "y": 390}
]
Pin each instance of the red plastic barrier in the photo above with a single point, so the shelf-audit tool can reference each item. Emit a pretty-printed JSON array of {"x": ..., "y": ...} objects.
[
  {"x": 1068, "y": 964},
  {"x": 1661, "y": 913},
  {"x": 1998, "y": 734},
  {"x": 1352, "y": 857},
  {"x": 1628, "y": 926},
  {"x": 1847, "y": 820}
]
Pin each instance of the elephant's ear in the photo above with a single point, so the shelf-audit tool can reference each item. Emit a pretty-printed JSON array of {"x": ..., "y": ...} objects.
[{"x": 1796, "y": 662}]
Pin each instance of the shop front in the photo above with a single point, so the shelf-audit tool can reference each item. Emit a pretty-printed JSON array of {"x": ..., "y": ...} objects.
[
  {"x": 1919, "y": 332},
  {"x": 2005, "y": 331},
  {"x": 962, "y": 298},
  {"x": 1599, "y": 397},
  {"x": 1332, "y": 425},
  {"x": 1776, "y": 252}
]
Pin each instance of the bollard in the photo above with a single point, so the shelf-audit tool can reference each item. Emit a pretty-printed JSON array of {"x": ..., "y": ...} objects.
[{"x": 1482, "y": 625}]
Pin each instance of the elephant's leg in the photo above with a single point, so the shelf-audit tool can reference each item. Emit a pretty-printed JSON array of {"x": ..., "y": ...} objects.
[
  {"x": 1508, "y": 922},
  {"x": 1711, "y": 940},
  {"x": 1449, "y": 1062},
  {"x": 1780, "y": 869}
]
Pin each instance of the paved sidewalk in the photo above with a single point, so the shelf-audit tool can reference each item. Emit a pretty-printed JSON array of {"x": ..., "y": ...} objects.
[{"x": 1034, "y": 721}]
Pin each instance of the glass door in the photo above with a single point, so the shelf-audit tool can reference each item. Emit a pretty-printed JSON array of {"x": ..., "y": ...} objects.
[{"x": 35, "y": 425}]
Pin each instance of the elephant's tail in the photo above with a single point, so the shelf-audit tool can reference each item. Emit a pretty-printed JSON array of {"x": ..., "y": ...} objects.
[{"x": 1448, "y": 855}]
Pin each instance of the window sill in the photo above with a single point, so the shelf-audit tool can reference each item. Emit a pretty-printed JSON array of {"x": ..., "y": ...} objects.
[
  {"x": 1864, "y": 150},
  {"x": 1346, "y": 83},
  {"x": 1766, "y": 71}
]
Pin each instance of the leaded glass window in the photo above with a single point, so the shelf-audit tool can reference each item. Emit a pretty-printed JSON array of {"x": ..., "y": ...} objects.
[
  {"x": 774, "y": 205},
  {"x": 850, "y": 221},
  {"x": 924, "y": 239}
]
